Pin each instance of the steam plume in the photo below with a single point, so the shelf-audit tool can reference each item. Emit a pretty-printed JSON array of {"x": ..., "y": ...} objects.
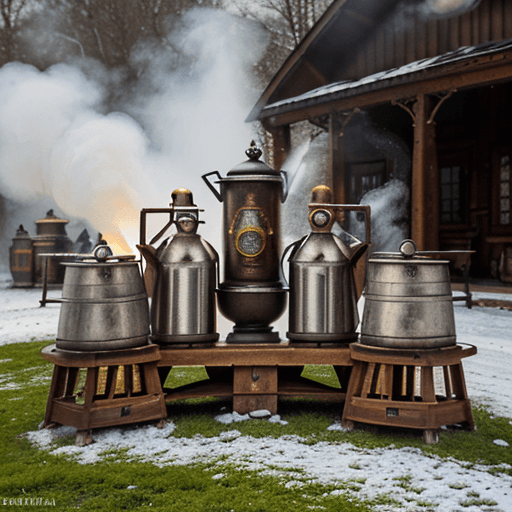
[{"x": 57, "y": 142}]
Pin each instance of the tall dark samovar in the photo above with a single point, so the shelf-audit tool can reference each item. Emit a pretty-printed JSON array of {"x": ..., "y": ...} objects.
[{"x": 253, "y": 293}]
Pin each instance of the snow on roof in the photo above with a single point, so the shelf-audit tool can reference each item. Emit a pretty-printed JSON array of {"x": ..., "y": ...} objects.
[{"x": 382, "y": 79}]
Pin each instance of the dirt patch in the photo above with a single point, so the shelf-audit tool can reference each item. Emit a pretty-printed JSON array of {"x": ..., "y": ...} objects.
[{"x": 493, "y": 303}]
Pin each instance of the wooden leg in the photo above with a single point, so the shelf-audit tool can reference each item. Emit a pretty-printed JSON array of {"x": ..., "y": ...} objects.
[
  {"x": 58, "y": 382},
  {"x": 255, "y": 388},
  {"x": 431, "y": 436},
  {"x": 83, "y": 438}
]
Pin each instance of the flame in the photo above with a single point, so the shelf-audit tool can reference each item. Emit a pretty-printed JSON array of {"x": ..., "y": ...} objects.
[
  {"x": 119, "y": 222},
  {"x": 117, "y": 242}
]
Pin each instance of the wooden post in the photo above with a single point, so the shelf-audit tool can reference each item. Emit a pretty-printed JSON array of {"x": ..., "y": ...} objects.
[
  {"x": 336, "y": 171},
  {"x": 425, "y": 178},
  {"x": 281, "y": 143}
]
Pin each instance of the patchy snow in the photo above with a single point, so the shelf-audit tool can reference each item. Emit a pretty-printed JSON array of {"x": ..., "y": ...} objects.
[{"x": 406, "y": 474}]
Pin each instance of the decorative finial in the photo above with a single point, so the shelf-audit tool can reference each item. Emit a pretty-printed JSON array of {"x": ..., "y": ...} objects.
[{"x": 254, "y": 152}]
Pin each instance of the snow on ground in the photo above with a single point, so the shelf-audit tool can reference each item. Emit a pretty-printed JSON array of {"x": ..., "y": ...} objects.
[{"x": 401, "y": 473}]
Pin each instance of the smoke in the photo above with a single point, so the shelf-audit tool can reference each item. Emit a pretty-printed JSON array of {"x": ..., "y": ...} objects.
[
  {"x": 59, "y": 143},
  {"x": 441, "y": 8},
  {"x": 389, "y": 212}
]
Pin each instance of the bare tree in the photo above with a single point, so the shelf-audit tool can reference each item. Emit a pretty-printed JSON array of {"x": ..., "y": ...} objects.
[
  {"x": 11, "y": 13},
  {"x": 287, "y": 22},
  {"x": 106, "y": 30}
]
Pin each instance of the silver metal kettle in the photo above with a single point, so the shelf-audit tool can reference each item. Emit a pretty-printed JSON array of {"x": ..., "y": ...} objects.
[
  {"x": 182, "y": 276},
  {"x": 323, "y": 299}
]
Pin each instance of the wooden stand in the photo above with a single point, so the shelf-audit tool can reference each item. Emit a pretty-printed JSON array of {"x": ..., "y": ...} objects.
[
  {"x": 255, "y": 376},
  {"x": 397, "y": 387},
  {"x": 86, "y": 391}
]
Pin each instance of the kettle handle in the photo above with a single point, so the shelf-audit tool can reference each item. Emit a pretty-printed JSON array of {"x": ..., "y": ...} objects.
[
  {"x": 211, "y": 186},
  {"x": 292, "y": 245},
  {"x": 359, "y": 208},
  {"x": 284, "y": 194}
]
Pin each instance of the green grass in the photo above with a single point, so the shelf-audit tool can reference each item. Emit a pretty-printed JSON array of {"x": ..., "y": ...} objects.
[{"x": 29, "y": 473}]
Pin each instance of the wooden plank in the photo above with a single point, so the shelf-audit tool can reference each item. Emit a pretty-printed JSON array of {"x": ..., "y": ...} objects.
[
  {"x": 454, "y": 34},
  {"x": 136, "y": 355},
  {"x": 507, "y": 19},
  {"x": 410, "y": 41},
  {"x": 255, "y": 355},
  {"x": 465, "y": 29},
  {"x": 421, "y": 39},
  {"x": 475, "y": 27},
  {"x": 496, "y": 20},
  {"x": 368, "y": 379},
  {"x": 484, "y": 22},
  {"x": 427, "y": 384},
  {"x": 423, "y": 357},
  {"x": 432, "y": 35},
  {"x": 447, "y": 383}
]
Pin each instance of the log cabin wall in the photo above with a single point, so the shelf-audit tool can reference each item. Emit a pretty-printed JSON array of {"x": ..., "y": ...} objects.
[{"x": 409, "y": 38}]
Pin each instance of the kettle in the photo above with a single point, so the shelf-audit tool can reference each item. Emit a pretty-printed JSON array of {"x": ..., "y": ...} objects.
[
  {"x": 323, "y": 298},
  {"x": 182, "y": 275}
]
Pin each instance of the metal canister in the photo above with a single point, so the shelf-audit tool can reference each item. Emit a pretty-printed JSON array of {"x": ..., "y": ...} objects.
[
  {"x": 253, "y": 293},
  {"x": 21, "y": 260},
  {"x": 408, "y": 301},
  {"x": 104, "y": 305},
  {"x": 51, "y": 237},
  {"x": 185, "y": 266},
  {"x": 323, "y": 301}
]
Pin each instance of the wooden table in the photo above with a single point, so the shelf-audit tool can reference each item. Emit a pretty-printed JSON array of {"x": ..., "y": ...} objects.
[{"x": 257, "y": 375}]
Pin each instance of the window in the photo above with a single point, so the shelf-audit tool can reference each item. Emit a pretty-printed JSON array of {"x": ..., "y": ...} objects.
[
  {"x": 452, "y": 211},
  {"x": 364, "y": 177}
]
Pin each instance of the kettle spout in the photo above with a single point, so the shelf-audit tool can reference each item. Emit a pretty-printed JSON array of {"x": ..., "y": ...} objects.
[
  {"x": 356, "y": 250},
  {"x": 149, "y": 253}
]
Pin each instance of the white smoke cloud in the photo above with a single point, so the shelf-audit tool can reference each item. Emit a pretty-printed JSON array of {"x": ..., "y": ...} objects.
[
  {"x": 446, "y": 7},
  {"x": 57, "y": 142}
]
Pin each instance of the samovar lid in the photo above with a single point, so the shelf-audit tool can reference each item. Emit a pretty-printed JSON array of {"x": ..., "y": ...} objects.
[
  {"x": 21, "y": 232},
  {"x": 253, "y": 166},
  {"x": 51, "y": 218}
]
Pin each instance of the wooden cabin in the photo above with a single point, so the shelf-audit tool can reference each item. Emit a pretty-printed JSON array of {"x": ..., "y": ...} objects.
[{"x": 440, "y": 83}]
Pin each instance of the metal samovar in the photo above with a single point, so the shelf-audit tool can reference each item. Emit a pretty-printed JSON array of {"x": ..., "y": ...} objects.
[
  {"x": 184, "y": 277},
  {"x": 253, "y": 292},
  {"x": 323, "y": 298}
]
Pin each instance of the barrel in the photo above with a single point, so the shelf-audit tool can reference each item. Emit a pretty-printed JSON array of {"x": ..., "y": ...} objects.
[
  {"x": 21, "y": 259},
  {"x": 104, "y": 306},
  {"x": 408, "y": 303},
  {"x": 50, "y": 237}
]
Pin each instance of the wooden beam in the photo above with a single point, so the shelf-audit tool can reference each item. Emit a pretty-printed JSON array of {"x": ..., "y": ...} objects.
[
  {"x": 425, "y": 178},
  {"x": 281, "y": 143}
]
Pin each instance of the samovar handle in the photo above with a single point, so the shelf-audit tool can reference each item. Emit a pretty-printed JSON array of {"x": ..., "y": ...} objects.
[{"x": 211, "y": 186}]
